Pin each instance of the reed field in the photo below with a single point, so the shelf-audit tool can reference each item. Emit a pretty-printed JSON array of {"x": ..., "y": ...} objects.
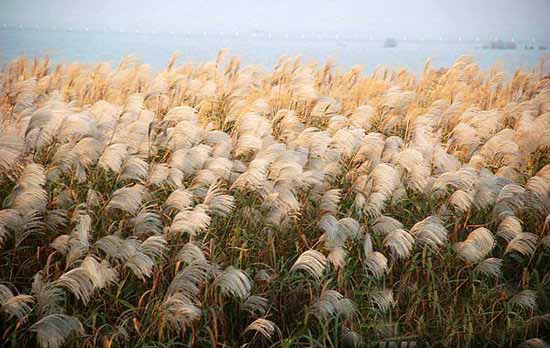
[{"x": 221, "y": 205}]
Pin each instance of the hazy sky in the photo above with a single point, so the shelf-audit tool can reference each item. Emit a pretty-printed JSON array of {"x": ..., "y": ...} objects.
[{"x": 519, "y": 19}]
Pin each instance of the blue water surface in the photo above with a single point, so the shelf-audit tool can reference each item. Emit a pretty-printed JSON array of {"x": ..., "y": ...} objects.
[{"x": 155, "y": 50}]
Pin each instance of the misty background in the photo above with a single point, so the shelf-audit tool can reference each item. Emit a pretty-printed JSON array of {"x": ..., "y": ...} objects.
[
  {"x": 262, "y": 30},
  {"x": 416, "y": 19}
]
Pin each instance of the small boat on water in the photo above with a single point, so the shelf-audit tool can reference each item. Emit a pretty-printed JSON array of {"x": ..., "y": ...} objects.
[
  {"x": 390, "y": 42},
  {"x": 501, "y": 45}
]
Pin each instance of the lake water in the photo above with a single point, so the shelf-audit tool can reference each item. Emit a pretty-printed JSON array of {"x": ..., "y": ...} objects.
[{"x": 155, "y": 49}]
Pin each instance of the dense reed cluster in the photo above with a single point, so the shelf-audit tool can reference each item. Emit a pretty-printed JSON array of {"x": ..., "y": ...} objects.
[{"x": 220, "y": 205}]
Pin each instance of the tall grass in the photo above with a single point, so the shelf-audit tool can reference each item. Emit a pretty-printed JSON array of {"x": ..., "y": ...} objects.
[{"x": 220, "y": 205}]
